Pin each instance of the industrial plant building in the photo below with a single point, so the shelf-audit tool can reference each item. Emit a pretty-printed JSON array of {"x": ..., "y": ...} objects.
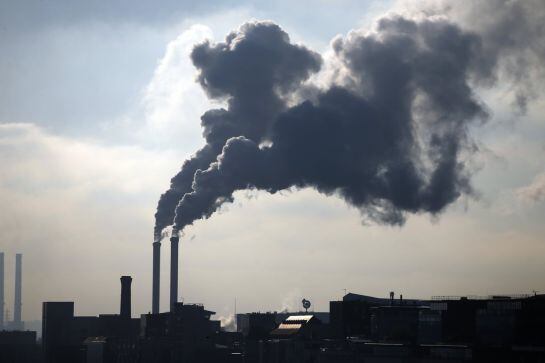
[
  {"x": 356, "y": 329},
  {"x": 184, "y": 334},
  {"x": 444, "y": 329},
  {"x": 65, "y": 337}
]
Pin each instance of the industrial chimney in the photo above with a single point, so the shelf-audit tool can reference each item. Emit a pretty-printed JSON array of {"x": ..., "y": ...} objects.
[
  {"x": 173, "y": 269},
  {"x": 17, "y": 301},
  {"x": 156, "y": 277},
  {"x": 125, "y": 309},
  {"x": 1, "y": 290}
]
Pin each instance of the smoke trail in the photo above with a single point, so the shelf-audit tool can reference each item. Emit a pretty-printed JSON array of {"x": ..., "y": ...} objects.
[
  {"x": 389, "y": 133},
  {"x": 255, "y": 69},
  {"x": 387, "y": 140}
]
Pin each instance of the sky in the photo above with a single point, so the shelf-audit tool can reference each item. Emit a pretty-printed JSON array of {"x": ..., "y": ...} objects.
[{"x": 100, "y": 106}]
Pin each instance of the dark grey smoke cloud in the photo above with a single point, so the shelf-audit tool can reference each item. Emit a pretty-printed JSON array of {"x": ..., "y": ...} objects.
[
  {"x": 389, "y": 135},
  {"x": 387, "y": 139},
  {"x": 253, "y": 70}
]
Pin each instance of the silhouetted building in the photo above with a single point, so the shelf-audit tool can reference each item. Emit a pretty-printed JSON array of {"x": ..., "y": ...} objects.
[
  {"x": 1, "y": 290},
  {"x": 458, "y": 319},
  {"x": 351, "y": 317},
  {"x": 369, "y": 329},
  {"x": 257, "y": 325},
  {"x": 361, "y": 329},
  {"x": 66, "y": 338},
  {"x": 56, "y": 331},
  {"x": 296, "y": 339},
  {"x": 356, "y": 350},
  {"x": 405, "y": 324},
  {"x": 110, "y": 349},
  {"x": 301, "y": 326},
  {"x": 500, "y": 328},
  {"x": 186, "y": 334},
  {"x": 19, "y": 347}
]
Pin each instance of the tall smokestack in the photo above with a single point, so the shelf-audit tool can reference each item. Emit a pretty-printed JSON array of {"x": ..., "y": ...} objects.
[
  {"x": 17, "y": 301},
  {"x": 1, "y": 290},
  {"x": 125, "y": 309},
  {"x": 173, "y": 270},
  {"x": 156, "y": 277}
]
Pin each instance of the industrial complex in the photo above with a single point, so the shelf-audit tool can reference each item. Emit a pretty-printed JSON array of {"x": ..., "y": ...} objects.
[{"x": 358, "y": 328}]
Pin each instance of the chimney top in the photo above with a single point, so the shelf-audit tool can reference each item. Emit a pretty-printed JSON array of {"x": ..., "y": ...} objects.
[{"x": 125, "y": 309}]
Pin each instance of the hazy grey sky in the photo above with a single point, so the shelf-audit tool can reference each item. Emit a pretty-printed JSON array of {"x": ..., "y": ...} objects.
[{"x": 98, "y": 109}]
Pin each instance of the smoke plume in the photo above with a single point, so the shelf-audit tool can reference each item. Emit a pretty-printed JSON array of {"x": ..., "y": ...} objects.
[
  {"x": 255, "y": 69},
  {"x": 389, "y": 134}
]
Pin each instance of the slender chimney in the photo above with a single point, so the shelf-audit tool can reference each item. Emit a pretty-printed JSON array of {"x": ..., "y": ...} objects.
[
  {"x": 125, "y": 310},
  {"x": 17, "y": 301},
  {"x": 173, "y": 270},
  {"x": 1, "y": 290},
  {"x": 156, "y": 277}
]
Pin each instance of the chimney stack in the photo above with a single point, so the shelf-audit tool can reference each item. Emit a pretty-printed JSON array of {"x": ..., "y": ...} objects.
[
  {"x": 156, "y": 277},
  {"x": 125, "y": 310},
  {"x": 173, "y": 269},
  {"x": 1, "y": 290},
  {"x": 17, "y": 304}
]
